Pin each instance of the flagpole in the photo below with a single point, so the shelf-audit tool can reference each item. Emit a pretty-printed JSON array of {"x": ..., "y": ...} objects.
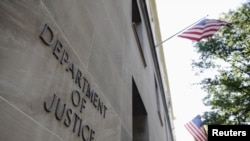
[{"x": 180, "y": 31}]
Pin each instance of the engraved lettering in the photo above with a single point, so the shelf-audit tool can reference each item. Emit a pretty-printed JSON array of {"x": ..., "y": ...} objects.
[
  {"x": 71, "y": 68},
  {"x": 57, "y": 49},
  {"x": 51, "y": 105},
  {"x": 47, "y": 35},
  {"x": 58, "y": 110},
  {"x": 65, "y": 57},
  {"x": 67, "y": 121},
  {"x": 78, "y": 78}
]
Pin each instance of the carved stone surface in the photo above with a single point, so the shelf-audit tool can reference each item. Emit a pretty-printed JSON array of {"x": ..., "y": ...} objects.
[{"x": 66, "y": 70}]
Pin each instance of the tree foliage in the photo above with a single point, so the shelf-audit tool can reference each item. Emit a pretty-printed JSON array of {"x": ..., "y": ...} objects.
[{"x": 228, "y": 51}]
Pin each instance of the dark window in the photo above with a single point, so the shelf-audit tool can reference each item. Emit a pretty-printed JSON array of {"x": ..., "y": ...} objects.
[
  {"x": 140, "y": 119},
  {"x": 158, "y": 101},
  {"x": 138, "y": 28}
]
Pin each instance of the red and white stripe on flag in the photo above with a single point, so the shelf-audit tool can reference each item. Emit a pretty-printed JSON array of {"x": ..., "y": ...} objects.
[
  {"x": 204, "y": 29},
  {"x": 196, "y": 129}
]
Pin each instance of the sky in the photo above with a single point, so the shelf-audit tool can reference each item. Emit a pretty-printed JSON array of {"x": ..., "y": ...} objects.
[{"x": 179, "y": 52}]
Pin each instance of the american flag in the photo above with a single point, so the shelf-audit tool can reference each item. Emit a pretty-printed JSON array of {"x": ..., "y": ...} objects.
[
  {"x": 204, "y": 29},
  {"x": 196, "y": 129}
]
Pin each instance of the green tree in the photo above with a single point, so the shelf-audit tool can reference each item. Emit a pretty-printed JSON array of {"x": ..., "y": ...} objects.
[{"x": 228, "y": 52}]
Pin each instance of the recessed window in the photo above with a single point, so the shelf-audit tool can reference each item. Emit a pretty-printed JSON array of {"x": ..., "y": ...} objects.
[
  {"x": 158, "y": 102},
  {"x": 138, "y": 28},
  {"x": 140, "y": 118}
]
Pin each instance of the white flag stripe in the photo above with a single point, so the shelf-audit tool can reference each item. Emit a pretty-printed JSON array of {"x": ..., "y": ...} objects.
[
  {"x": 194, "y": 132},
  {"x": 197, "y": 131},
  {"x": 204, "y": 29}
]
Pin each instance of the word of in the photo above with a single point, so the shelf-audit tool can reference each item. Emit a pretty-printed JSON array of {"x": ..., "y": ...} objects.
[{"x": 65, "y": 114}]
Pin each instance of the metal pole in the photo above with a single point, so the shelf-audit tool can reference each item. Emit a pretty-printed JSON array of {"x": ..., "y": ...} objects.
[{"x": 179, "y": 32}]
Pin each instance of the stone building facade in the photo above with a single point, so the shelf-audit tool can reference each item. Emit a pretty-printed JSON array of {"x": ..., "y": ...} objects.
[{"x": 82, "y": 70}]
